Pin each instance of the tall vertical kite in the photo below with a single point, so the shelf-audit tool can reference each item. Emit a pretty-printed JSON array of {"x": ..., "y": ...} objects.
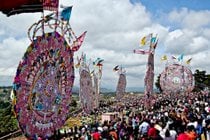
[
  {"x": 121, "y": 85},
  {"x": 44, "y": 78},
  {"x": 97, "y": 74},
  {"x": 86, "y": 88},
  {"x": 151, "y": 42}
]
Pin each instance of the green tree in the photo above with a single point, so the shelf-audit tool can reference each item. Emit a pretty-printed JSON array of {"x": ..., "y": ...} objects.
[
  {"x": 202, "y": 80},
  {"x": 8, "y": 122}
]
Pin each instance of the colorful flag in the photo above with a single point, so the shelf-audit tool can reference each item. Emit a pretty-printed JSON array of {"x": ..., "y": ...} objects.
[
  {"x": 116, "y": 68},
  {"x": 188, "y": 61},
  {"x": 142, "y": 51},
  {"x": 180, "y": 58},
  {"x": 164, "y": 58},
  {"x": 77, "y": 65},
  {"x": 51, "y": 5},
  {"x": 153, "y": 39},
  {"x": 145, "y": 40},
  {"x": 173, "y": 57},
  {"x": 76, "y": 45},
  {"x": 66, "y": 13},
  {"x": 101, "y": 60},
  {"x": 98, "y": 62}
]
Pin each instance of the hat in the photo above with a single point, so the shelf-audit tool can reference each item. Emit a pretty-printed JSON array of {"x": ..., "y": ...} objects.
[{"x": 100, "y": 129}]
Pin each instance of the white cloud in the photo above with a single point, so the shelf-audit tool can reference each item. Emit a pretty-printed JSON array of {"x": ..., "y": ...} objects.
[
  {"x": 17, "y": 25},
  {"x": 200, "y": 61},
  {"x": 192, "y": 36},
  {"x": 189, "y": 18},
  {"x": 2, "y": 32},
  {"x": 11, "y": 52}
]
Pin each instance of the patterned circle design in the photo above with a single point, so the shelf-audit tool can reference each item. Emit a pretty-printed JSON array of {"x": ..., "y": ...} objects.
[
  {"x": 43, "y": 85},
  {"x": 176, "y": 78}
]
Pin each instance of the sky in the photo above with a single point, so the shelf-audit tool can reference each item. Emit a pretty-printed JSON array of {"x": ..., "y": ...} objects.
[{"x": 114, "y": 29}]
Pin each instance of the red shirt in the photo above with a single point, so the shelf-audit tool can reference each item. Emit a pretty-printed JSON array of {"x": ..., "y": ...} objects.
[
  {"x": 152, "y": 132},
  {"x": 183, "y": 136},
  {"x": 96, "y": 136}
]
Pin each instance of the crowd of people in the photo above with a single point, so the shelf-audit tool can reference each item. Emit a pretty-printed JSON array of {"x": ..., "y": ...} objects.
[{"x": 169, "y": 117}]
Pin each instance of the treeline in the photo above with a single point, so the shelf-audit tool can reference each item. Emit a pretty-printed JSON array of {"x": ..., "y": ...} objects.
[{"x": 8, "y": 122}]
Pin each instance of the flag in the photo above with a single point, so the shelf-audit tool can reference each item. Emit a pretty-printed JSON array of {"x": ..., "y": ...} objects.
[
  {"x": 142, "y": 51},
  {"x": 145, "y": 40},
  {"x": 78, "y": 42},
  {"x": 98, "y": 62},
  {"x": 51, "y": 5},
  {"x": 153, "y": 39},
  {"x": 180, "y": 58},
  {"x": 116, "y": 68},
  {"x": 77, "y": 65},
  {"x": 173, "y": 57},
  {"x": 188, "y": 61},
  {"x": 66, "y": 13},
  {"x": 164, "y": 58}
]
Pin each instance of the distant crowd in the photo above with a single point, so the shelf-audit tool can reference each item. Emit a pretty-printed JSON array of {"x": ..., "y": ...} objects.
[{"x": 169, "y": 117}]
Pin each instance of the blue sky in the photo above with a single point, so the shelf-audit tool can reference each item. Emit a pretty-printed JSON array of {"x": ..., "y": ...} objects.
[
  {"x": 156, "y": 6},
  {"x": 114, "y": 28},
  {"x": 160, "y": 8}
]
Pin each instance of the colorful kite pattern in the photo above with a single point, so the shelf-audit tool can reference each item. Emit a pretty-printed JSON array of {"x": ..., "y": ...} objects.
[
  {"x": 86, "y": 88},
  {"x": 97, "y": 74},
  {"x": 121, "y": 85},
  {"x": 150, "y": 41},
  {"x": 86, "y": 92},
  {"x": 43, "y": 85},
  {"x": 176, "y": 78}
]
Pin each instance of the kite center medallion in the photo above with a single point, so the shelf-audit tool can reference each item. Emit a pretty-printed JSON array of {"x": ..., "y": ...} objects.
[{"x": 176, "y": 80}]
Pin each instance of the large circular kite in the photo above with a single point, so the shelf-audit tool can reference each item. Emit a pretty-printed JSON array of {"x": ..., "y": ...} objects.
[
  {"x": 43, "y": 85},
  {"x": 176, "y": 78}
]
